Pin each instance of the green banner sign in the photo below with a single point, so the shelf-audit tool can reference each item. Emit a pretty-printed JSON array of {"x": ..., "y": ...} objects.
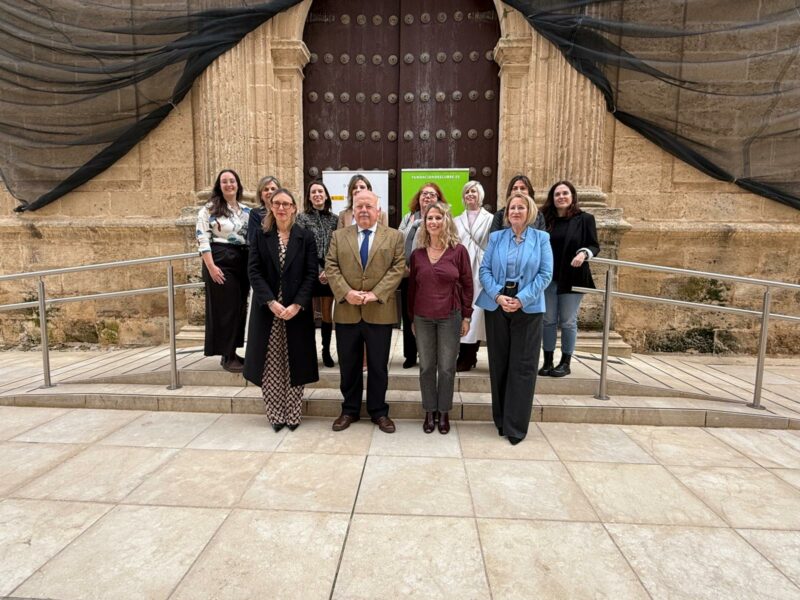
[{"x": 449, "y": 180}]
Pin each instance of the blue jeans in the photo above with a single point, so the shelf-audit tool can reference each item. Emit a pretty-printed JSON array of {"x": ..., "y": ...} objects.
[
  {"x": 561, "y": 310},
  {"x": 437, "y": 344}
]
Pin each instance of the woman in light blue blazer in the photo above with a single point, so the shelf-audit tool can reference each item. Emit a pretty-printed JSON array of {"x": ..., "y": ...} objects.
[{"x": 516, "y": 269}]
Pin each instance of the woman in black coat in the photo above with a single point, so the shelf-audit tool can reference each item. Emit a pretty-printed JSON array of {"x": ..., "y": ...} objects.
[
  {"x": 281, "y": 352},
  {"x": 573, "y": 238}
]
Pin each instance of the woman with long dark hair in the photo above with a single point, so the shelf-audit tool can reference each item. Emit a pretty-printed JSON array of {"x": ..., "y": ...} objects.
[
  {"x": 573, "y": 238},
  {"x": 357, "y": 183},
  {"x": 517, "y": 184},
  {"x": 319, "y": 220},
  {"x": 283, "y": 267},
  {"x": 222, "y": 239}
]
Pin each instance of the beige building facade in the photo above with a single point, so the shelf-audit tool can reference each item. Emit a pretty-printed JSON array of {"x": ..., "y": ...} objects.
[{"x": 245, "y": 112}]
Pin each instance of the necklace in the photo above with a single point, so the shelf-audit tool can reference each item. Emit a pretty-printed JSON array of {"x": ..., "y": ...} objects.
[{"x": 434, "y": 254}]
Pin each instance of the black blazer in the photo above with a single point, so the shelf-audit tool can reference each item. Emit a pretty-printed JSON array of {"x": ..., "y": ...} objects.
[
  {"x": 581, "y": 233},
  {"x": 297, "y": 281}
]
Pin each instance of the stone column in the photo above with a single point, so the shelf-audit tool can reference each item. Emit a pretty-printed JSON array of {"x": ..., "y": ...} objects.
[
  {"x": 288, "y": 59},
  {"x": 552, "y": 119},
  {"x": 552, "y": 127}
]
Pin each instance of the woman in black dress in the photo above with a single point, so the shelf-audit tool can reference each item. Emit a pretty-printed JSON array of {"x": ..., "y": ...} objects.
[{"x": 320, "y": 221}]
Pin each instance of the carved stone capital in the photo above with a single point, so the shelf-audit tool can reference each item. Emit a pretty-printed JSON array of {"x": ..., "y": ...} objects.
[
  {"x": 289, "y": 56},
  {"x": 513, "y": 54}
]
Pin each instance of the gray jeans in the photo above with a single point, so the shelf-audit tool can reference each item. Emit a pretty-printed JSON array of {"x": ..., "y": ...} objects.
[{"x": 437, "y": 344}]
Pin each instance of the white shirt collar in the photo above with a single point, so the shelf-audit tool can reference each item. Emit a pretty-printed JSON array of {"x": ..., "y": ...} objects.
[{"x": 372, "y": 229}]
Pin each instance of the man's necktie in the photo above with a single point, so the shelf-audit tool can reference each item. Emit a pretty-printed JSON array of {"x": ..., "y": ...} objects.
[{"x": 365, "y": 248}]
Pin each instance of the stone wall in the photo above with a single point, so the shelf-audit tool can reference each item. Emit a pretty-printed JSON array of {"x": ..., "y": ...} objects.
[
  {"x": 682, "y": 218},
  {"x": 245, "y": 112},
  {"x": 130, "y": 211}
]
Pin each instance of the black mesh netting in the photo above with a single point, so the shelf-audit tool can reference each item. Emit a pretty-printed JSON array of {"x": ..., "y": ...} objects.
[{"x": 714, "y": 82}]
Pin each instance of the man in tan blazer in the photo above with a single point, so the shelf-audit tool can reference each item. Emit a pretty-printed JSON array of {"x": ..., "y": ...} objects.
[{"x": 365, "y": 265}]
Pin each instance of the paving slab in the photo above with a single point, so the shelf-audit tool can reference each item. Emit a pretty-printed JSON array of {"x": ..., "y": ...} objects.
[
  {"x": 412, "y": 556},
  {"x": 133, "y": 552},
  {"x": 699, "y": 563},
  {"x": 555, "y": 559},
  {"x": 266, "y": 554},
  {"x": 316, "y": 482}
]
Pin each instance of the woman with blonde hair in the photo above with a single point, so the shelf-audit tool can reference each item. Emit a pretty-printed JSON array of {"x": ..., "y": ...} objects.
[
  {"x": 426, "y": 195},
  {"x": 440, "y": 306},
  {"x": 281, "y": 356},
  {"x": 266, "y": 187},
  {"x": 474, "y": 226},
  {"x": 516, "y": 269}
]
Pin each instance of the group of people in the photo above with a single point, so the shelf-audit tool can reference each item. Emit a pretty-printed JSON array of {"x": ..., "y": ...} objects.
[{"x": 505, "y": 279}]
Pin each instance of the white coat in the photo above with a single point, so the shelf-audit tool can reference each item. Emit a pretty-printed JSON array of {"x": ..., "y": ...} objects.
[{"x": 475, "y": 240}]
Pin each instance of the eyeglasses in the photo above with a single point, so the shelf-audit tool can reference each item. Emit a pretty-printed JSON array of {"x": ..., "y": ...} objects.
[
  {"x": 279, "y": 205},
  {"x": 428, "y": 194}
]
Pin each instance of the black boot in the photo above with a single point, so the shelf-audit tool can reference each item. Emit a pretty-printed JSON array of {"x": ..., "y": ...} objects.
[
  {"x": 467, "y": 357},
  {"x": 563, "y": 367},
  {"x": 547, "y": 367},
  {"x": 326, "y": 329}
]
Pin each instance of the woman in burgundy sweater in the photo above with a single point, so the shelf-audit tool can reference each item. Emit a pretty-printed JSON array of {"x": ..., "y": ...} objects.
[{"x": 440, "y": 307}]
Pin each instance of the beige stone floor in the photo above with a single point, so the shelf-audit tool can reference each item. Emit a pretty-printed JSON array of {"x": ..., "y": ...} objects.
[{"x": 113, "y": 504}]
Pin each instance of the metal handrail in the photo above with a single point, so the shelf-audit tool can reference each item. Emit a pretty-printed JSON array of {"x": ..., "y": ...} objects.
[
  {"x": 706, "y": 274},
  {"x": 98, "y": 266},
  {"x": 42, "y": 301},
  {"x": 763, "y": 315}
]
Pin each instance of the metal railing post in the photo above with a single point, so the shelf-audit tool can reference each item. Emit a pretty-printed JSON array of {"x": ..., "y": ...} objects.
[
  {"x": 173, "y": 350},
  {"x": 762, "y": 349},
  {"x": 43, "y": 334},
  {"x": 601, "y": 391}
]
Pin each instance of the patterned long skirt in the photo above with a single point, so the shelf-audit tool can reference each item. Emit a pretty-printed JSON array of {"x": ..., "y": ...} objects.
[{"x": 282, "y": 399}]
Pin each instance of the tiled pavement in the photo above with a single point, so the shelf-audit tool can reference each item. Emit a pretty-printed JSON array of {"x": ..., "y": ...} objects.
[{"x": 137, "y": 505}]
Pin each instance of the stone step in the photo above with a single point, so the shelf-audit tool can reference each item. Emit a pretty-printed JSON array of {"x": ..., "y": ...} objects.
[
  {"x": 190, "y": 335},
  {"x": 588, "y": 341},
  {"x": 406, "y": 381},
  {"x": 592, "y": 342},
  {"x": 467, "y": 406}
]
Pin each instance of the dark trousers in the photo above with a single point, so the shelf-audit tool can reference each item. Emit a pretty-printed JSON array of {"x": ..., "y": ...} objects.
[
  {"x": 226, "y": 304},
  {"x": 514, "y": 341},
  {"x": 409, "y": 341},
  {"x": 350, "y": 342}
]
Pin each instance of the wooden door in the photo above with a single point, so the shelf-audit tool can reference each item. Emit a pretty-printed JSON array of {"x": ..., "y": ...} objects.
[{"x": 406, "y": 84}]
